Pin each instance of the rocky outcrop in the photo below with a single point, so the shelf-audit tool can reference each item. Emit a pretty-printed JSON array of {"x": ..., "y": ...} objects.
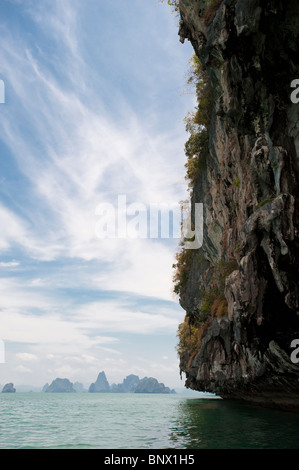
[
  {"x": 131, "y": 384},
  {"x": 101, "y": 385},
  {"x": 79, "y": 387},
  {"x": 45, "y": 387},
  {"x": 60, "y": 386},
  {"x": 128, "y": 385},
  {"x": 9, "y": 388},
  {"x": 151, "y": 385},
  {"x": 250, "y": 190}
]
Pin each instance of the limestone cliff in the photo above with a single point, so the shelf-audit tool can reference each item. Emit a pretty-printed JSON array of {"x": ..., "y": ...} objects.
[{"x": 241, "y": 294}]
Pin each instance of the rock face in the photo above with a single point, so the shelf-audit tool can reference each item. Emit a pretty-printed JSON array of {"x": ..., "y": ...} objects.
[
  {"x": 9, "y": 388},
  {"x": 60, "y": 386},
  {"x": 250, "y": 190},
  {"x": 101, "y": 385}
]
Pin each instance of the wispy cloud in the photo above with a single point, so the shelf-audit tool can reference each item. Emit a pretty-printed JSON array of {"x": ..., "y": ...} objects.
[
  {"x": 78, "y": 337},
  {"x": 9, "y": 264},
  {"x": 77, "y": 151},
  {"x": 77, "y": 136},
  {"x": 38, "y": 316}
]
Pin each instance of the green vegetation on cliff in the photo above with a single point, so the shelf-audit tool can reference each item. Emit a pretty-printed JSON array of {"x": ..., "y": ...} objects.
[
  {"x": 212, "y": 304},
  {"x": 198, "y": 122},
  {"x": 196, "y": 151}
]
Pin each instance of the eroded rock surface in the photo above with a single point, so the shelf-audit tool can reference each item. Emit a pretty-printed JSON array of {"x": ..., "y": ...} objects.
[{"x": 250, "y": 193}]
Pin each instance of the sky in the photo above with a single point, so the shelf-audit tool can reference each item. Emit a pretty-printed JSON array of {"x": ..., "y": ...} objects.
[{"x": 95, "y": 98}]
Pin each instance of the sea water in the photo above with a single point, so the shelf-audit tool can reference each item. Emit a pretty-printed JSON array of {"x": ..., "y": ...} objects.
[{"x": 140, "y": 421}]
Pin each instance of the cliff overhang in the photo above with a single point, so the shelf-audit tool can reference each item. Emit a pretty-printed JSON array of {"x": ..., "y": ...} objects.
[{"x": 249, "y": 189}]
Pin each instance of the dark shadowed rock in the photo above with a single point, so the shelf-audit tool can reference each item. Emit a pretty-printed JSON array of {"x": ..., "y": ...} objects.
[{"x": 241, "y": 289}]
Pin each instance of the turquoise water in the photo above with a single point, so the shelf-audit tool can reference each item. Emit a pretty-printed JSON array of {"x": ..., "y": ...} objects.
[{"x": 140, "y": 421}]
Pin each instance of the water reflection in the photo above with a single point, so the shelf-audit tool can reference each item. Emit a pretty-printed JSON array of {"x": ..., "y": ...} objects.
[{"x": 219, "y": 424}]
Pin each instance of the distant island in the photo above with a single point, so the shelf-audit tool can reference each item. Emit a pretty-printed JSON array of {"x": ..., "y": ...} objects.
[
  {"x": 9, "y": 388},
  {"x": 101, "y": 385},
  {"x": 60, "y": 386},
  {"x": 131, "y": 384}
]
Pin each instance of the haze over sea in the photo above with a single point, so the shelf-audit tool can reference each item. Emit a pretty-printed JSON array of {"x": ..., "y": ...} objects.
[{"x": 140, "y": 421}]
